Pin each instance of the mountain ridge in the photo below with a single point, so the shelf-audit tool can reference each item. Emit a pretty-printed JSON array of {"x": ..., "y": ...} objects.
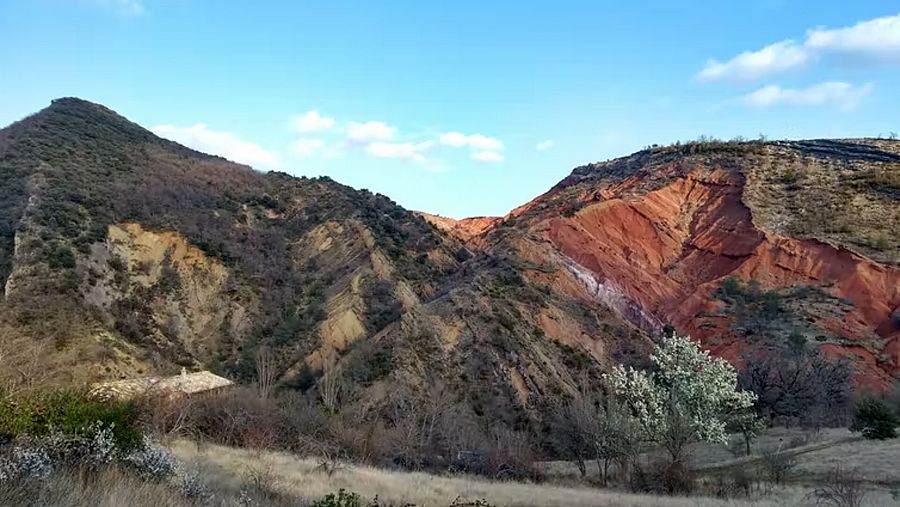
[
  {"x": 124, "y": 254},
  {"x": 785, "y": 215}
]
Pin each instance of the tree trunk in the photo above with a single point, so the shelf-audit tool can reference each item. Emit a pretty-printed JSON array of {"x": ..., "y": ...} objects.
[{"x": 582, "y": 468}]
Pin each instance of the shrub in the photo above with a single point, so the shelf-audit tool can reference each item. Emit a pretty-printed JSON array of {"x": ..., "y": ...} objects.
[
  {"x": 151, "y": 462},
  {"x": 71, "y": 414},
  {"x": 61, "y": 257},
  {"x": 509, "y": 456},
  {"x": 194, "y": 489},
  {"x": 93, "y": 447},
  {"x": 875, "y": 419},
  {"x": 24, "y": 463},
  {"x": 842, "y": 488},
  {"x": 663, "y": 477},
  {"x": 736, "y": 483},
  {"x": 342, "y": 498},
  {"x": 778, "y": 465}
]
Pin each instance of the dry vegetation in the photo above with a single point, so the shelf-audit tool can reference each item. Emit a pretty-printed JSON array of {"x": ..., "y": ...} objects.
[
  {"x": 840, "y": 192},
  {"x": 281, "y": 479},
  {"x": 293, "y": 476},
  {"x": 313, "y": 272}
]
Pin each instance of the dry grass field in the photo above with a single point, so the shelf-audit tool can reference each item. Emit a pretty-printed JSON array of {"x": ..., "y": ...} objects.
[
  {"x": 292, "y": 481},
  {"x": 227, "y": 469}
]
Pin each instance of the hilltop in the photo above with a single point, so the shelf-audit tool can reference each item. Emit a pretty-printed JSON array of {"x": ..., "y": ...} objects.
[
  {"x": 123, "y": 254},
  {"x": 741, "y": 244}
]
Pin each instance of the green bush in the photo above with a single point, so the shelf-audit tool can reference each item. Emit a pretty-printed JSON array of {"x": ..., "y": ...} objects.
[
  {"x": 875, "y": 419},
  {"x": 71, "y": 413},
  {"x": 344, "y": 498},
  {"x": 61, "y": 257}
]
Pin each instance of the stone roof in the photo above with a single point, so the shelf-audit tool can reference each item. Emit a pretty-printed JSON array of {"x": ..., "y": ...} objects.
[{"x": 183, "y": 384}]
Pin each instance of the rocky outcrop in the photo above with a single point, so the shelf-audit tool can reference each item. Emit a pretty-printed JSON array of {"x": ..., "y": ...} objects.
[
  {"x": 464, "y": 229},
  {"x": 663, "y": 236}
]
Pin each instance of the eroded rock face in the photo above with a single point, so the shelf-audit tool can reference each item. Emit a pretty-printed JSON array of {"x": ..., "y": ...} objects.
[
  {"x": 181, "y": 288},
  {"x": 151, "y": 256},
  {"x": 464, "y": 229},
  {"x": 660, "y": 238}
]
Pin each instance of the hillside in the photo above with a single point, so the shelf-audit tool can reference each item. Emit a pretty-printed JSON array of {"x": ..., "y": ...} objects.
[
  {"x": 740, "y": 244},
  {"x": 123, "y": 254}
]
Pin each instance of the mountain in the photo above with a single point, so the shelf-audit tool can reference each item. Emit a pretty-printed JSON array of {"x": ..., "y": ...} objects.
[
  {"x": 124, "y": 254},
  {"x": 741, "y": 244},
  {"x": 464, "y": 229}
]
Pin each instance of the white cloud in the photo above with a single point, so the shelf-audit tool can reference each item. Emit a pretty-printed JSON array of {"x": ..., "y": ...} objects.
[
  {"x": 381, "y": 140},
  {"x": 878, "y": 37},
  {"x": 224, "y": 144},
  {"x": 487, "y": 156},
  {"x": 484, "y": 148},
  {"x": 779, "y": 57},
  {"x": 125, "y": 7},
  {"x": 474, "y": 141},
  {"x": 369, "y": 132},
  {"x": 841, "y": 95},
  {"x": 311, "y": 121},
  {"x": 408, "y": 151},
  {"x": 544, "y": 145},
  {"x": 305, "y": 147}
]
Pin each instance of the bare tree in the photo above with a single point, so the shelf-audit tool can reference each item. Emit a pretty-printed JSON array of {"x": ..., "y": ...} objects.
[
  {"x": 804, "y": 387},
  {"x": 22, "y": 368},
  {"x": 266, "y": 374},
  {"x": 616, "y": 439},
  {"x": 778, "y": 464},
  {"x": 330, "y": 386},
  {"x": 842, "y": 488},
  {"x": 573, "y": 428}
]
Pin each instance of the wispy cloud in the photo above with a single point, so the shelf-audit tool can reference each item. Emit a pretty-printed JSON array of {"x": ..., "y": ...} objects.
[
  {"x": 844, "y": 96},
  {"x": 407, "y": 151},
  {"x": 483, "y": 148},
  {"x": 311, "y": 121},
  {"x": 879, "y": 38},
  {"x": 544, "y": 145},
  {"x": 225, "y": 144},
  {"x": 382, "y": 140},
  {"x": 750, "y": 65},
  {"x": 369, "y": 132},
  {"x": 874, "y": 40},
  {"x": 475, "y": 141}
]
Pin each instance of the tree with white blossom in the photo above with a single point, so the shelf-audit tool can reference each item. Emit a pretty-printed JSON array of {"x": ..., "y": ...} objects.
[{"x": 686, "y": 396}]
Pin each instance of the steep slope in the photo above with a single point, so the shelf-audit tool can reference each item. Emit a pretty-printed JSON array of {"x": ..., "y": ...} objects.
[
  {"x": 464, "y": 229},
  {"x": 811, "y": 227},
  {"x": 122, "y": 253}
]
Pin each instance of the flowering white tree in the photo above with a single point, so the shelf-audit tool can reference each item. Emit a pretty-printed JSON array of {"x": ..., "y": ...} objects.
[{"x": 686, "y": 396}]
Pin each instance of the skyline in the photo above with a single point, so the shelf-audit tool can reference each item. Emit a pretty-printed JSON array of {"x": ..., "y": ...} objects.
[{"x": 464, "y": 109}]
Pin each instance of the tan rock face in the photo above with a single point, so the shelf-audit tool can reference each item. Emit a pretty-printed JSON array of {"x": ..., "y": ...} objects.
[
  {"x": 464, "y": 229},
  {"x": 196, "y": 307}
]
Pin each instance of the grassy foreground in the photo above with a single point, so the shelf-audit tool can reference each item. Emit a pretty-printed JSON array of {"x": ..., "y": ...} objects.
[
  {"x": 228, "y": 468},
  {"x": 216, "y": 475}
]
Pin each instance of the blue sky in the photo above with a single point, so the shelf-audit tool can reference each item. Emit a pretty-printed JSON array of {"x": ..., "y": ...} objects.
[{"x": 459, "y": 108}]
